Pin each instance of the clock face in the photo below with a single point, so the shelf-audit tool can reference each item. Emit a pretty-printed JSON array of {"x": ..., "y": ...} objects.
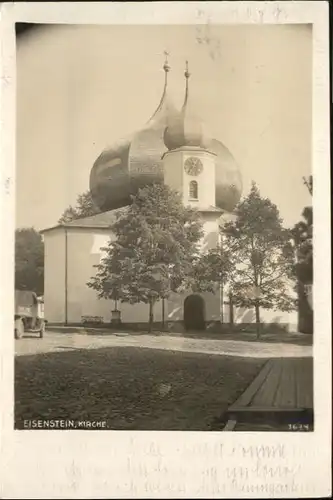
[{"x": 193, "y": 166}]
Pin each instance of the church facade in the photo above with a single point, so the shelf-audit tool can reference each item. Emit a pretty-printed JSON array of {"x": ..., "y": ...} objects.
[{"x": 174, "y": 148}]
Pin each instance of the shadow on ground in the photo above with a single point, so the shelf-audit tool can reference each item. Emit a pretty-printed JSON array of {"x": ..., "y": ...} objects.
[{"x": 131, "y": 388}]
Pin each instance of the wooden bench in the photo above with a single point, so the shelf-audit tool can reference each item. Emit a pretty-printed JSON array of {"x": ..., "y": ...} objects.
[
  {"x": 281, "y": 392},
  {"x": 92, "y": 319}
]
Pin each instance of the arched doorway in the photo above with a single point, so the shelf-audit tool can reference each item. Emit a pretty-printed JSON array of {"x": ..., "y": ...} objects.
[{"x": 194, "y": 313}]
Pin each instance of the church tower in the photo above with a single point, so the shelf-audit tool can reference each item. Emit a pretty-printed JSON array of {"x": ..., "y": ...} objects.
[{"x": 190, "y": 166}]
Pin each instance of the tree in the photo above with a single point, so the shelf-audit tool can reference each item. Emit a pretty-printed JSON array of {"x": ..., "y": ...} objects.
[
  {"x": 302, "y": 238},
  {"x": 29, "y": 260},
  {"x": 260, "y": 255},
  {"x": 210, "y": 272},
  {"x": 156, "y": 243},
  {"x": 302, "y": 235},
  {"x": 308, "y": 182},
  {"x": 85, "y": 207}
]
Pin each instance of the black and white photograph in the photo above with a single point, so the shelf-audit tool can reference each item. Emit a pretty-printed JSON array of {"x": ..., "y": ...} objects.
[
  {"x": 164, "y": 229},
  {"x": 163, "y": 266}
]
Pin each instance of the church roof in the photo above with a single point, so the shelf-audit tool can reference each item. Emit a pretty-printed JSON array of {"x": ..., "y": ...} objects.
[
  {"x": 105, "y": 219},
  {"x": 99, "y": 221}
]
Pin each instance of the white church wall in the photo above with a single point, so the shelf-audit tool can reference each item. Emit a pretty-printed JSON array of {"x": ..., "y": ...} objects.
[
  {"x": 83, "y": 254},
  {"x": 213, "y": 312},
  {"x": 268, "y": 316},
  {"x": 246, "y": 315},
  {"x": 281, "y": 317},
  {"x": 139, "y": 313},
  {"x": 212, "y": 303},
  {"x": 54, "y": 276},
  {"x": 84, "y": 251},
  {"x": 211, "y": 231}
]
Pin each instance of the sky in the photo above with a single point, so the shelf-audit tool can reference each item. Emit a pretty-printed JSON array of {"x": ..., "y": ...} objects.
[{"x": 82, "y": 88}]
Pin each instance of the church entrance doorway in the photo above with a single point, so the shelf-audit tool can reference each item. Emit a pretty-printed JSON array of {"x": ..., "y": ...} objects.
[{"x": 194, "y": 313}]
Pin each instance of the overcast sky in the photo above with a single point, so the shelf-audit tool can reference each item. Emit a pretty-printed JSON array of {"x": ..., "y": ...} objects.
[{"x": 81, "y": 88}]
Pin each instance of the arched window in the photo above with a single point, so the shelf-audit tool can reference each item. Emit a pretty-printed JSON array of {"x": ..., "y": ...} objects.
[{"x": 193, "y": 191}]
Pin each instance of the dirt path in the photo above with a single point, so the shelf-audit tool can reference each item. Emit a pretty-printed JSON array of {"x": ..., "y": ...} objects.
[{"x": 57, "y": 342}]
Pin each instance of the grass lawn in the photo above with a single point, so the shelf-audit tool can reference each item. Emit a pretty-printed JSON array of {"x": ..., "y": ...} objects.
[{"x": 131, "y": 388}]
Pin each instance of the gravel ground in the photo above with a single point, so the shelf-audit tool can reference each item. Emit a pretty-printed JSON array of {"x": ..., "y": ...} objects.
[
  {"x": 130, "y": 388},
  {"x": 59, "y": 342}
]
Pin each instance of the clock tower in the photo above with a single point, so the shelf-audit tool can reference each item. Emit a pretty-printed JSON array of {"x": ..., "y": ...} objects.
[
  {"x": 190, "y": 170},
  {"x": 188, "y": 165}
]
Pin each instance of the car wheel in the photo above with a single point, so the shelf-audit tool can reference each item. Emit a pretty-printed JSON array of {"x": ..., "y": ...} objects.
[{"x": 19, "y": 328}]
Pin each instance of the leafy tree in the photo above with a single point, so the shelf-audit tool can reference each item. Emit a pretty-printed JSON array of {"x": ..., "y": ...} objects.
[
  {"x": 29, "y": 260},
  {"x": 211, "y": 271},
  {"x": 156, "y": 243},
  {"x": 302, "y": 238},
  {"x": 260, "y": 255},
  {"x": 302, "y": 235},
  {"x": 85, "y": 207}
]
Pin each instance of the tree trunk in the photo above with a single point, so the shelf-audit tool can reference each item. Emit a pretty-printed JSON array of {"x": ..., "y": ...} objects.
[
  {"x": 151, "y": 315},
  {"x": 257, "y": 309},
  {"x": 163, "y": 313},
  {"x": 231, "y": 311},
  {"x": 305, "y": 313},
  {"x": 221, "y": 303}
]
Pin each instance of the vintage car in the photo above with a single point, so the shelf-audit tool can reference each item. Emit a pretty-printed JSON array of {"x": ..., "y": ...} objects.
[{"x": 29, "y": 313}]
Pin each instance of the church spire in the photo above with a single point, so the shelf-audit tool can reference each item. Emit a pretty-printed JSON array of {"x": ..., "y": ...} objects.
[
  {"x": 187, "y": 75},
  {"x": 187, "y": 128},
  {"x": 163, "y": 102}
]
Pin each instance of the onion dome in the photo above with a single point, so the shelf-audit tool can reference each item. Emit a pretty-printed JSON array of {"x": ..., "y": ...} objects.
[
  {"x": 185, "y": 128},
  {"x": 121, "y": 170},
  {"x": 135, "y": 162},
  {"x": 228, "y": 178}
]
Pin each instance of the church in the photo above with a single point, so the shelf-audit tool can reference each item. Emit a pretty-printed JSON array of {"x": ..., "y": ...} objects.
[{"x": 172, "y": 147}]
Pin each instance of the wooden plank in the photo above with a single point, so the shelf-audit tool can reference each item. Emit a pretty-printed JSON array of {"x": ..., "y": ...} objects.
[
  {"x": 298, "y": 388},
  {"x": 278, "y": 416},
  {"x": 289, "y": 392},
  {"x": 304, "y": 386},
  {"x": 286, "y": 395},
  {"x": 308, "y": 383},
  {"x": 266, "y": 394},
  {"x": 278, "y": 395},
  {"x": 245, "y": 399},
  {"x": 230, "y": 425},
  {"x": 266, "y": 409},
  {"x": 255, "y": 427}
]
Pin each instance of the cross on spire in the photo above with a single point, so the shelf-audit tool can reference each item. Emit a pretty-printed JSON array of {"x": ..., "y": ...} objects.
[
  {"x": 166, "y": 66},
  {"x": 187, "y": 74}
]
